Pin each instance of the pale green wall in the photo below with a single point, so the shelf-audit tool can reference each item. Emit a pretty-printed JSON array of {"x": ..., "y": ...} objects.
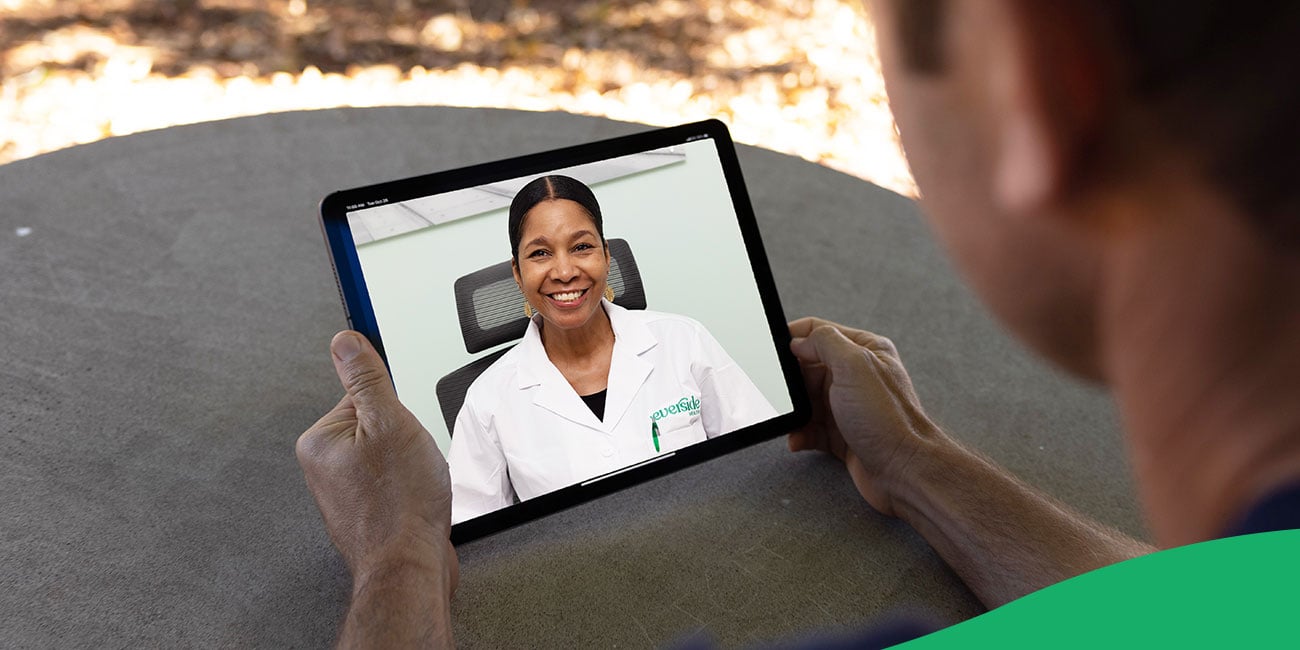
[{"x": 682, "y": 229}]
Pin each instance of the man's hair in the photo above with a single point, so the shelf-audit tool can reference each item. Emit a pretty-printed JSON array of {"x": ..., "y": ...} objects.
[
  {"x": 1222, "y": 78},
  {"x": 550, "y": 188}
]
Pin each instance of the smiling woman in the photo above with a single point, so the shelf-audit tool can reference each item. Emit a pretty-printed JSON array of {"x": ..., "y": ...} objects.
[
  {"x": 593, "y": 387},
  {"x": 565, "y": 254}
]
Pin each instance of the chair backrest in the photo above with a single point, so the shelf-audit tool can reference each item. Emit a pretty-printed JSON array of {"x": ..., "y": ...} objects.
[{"x": 491, "y": 312}]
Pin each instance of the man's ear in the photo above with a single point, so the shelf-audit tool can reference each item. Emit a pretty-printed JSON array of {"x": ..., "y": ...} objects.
[{"x": 1045, "y": 99}]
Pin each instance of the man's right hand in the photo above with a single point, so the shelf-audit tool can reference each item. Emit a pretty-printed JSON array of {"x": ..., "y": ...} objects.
[
  {"x": 865, "y": 410},
  {"x": 1002, "y": 537}
]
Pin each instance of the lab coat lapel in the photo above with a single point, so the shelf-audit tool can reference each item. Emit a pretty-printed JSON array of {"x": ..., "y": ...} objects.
[
  {"x": 630, "y": 366},
  {"x": 554, "y": 392}
]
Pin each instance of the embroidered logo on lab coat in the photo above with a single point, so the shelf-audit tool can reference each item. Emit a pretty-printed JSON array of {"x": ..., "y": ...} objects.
[{"x": 688, "y": 404}]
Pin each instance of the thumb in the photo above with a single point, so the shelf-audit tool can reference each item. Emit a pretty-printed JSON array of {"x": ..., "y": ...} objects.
[
  {"x": 828, "y": 346},
  {"x": 362, "y": 372}
]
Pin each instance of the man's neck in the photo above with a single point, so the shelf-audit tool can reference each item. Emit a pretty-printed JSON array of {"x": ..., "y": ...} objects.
[{"x": 1201, "y": 344}]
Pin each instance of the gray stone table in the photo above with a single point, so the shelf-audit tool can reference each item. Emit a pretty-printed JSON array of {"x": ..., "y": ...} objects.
[{"x": 164, "y": 322}]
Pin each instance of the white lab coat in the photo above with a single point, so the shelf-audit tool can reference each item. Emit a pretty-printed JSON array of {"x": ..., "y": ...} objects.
[{"x": 523, "y": 431}]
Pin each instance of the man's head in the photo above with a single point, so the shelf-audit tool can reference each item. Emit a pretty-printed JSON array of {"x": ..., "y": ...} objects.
[{"x": 1040, "y": 132}]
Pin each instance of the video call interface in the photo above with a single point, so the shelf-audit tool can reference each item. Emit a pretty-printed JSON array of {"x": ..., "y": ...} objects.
[{"x": 692, "y": 354}]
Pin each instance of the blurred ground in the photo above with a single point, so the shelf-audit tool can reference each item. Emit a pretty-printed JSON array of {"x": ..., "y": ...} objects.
[{"x": 798, "y": 76}]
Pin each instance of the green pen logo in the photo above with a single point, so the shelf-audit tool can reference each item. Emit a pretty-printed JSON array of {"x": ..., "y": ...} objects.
[{"x": 686, "y": 404}]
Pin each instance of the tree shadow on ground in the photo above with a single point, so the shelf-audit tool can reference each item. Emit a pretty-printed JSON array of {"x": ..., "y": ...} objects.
[{"x": 260, "y": 38}]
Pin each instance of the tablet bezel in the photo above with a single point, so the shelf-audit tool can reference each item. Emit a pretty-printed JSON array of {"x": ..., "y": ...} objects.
[{"x": 360, "y": 314}]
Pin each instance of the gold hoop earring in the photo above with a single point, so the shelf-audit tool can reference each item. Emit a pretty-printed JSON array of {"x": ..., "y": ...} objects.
[
  {"x": 609, "y": 293},
  {"x": 528, "y": 310}
]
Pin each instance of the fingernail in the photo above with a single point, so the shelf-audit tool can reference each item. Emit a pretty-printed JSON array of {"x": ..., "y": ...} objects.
[{"x": 346, "y": 346}]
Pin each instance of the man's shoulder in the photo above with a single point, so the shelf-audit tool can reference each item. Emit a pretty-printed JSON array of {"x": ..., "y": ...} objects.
[
  {"x": 1279, "y": 510},
  {"x": 884, "y": 633}
]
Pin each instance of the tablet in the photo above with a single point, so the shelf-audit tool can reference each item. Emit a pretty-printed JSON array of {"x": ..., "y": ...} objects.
[{"x": 570, "y": 323}]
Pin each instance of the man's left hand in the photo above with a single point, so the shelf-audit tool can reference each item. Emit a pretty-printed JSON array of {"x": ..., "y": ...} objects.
[{"x": 379, "y": 480}]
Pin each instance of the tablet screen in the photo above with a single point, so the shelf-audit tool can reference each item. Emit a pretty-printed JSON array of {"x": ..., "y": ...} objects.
[{"x": 610, "y": 327}]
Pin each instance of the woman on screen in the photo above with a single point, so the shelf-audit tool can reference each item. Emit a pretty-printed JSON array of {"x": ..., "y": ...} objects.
[{"x": 592, "y": 387}]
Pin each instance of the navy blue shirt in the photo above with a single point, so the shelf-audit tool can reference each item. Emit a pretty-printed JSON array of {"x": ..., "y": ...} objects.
[{"x": 1280, "y": 510}]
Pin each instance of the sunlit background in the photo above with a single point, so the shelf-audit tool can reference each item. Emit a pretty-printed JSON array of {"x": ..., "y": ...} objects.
[{"x": 797, "y": 76}]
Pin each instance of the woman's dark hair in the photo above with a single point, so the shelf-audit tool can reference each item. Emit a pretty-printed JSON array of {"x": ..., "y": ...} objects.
[{"x": 550, "y": 188}]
